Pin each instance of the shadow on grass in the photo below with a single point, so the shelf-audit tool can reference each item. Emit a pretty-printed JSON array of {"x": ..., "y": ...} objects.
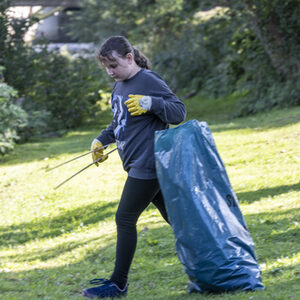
[
  {"x": 62, "y": 282},
  {"x": 276, "y": 272},
  {"x": 49, "y": 253},
  {"x": 276, "y": 233},
  {"x": 52, "y": 147},
  {"x": 252, "y": 196},
  {"x": 263, "y": 121},
  {"x": 56, "y": 226},
  {"x": 149, "y": 266},
  {"x": 278, "y": 290}
]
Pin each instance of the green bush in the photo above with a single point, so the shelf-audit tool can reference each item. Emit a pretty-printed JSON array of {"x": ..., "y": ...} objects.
[
  {"x": 59, "y": 90},
  {"x": 268, "y": 95},
  {"x": 37, "y": 123},
  {"x": 12, "y": 117},
  {"x": 215, "y": 48},
  {"x": 64, "y": 86}
]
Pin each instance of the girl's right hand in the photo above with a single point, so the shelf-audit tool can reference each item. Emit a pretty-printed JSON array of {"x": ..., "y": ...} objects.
[{"x": 98, "y": 149}]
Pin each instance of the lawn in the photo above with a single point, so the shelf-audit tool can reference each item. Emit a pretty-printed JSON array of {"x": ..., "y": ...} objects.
[{"x": 52, "y": 242}]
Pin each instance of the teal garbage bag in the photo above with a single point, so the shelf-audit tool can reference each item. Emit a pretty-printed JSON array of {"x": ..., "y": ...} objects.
[{"x": 212, "y": 239}]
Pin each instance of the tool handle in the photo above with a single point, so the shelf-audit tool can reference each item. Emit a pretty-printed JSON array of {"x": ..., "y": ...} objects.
[
  {"x": 85, "y": 168},
  {"x": 77, "y": 157}
]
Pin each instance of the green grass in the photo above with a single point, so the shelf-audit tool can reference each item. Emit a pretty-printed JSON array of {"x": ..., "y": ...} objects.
[{"x": 53, "y": 241}]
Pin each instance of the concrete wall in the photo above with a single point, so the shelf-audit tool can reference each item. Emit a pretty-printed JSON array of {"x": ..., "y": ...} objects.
[{"x": 49, "y": 27}]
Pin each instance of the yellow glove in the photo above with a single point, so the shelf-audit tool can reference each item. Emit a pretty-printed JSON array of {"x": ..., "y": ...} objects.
[
  {"x": 138, "y": 104},
  {"x": 97, "y": 154}
]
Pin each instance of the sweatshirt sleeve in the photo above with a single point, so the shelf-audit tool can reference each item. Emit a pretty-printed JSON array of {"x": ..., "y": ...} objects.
[
  {"x": 107, "y": 135},
  {"x": 169, "y": 109},
  {"x": 165, "y": 103}
]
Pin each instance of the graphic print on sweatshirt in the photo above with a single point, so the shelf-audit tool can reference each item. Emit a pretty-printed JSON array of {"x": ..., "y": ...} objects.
[{"x": 119, "y": 116}]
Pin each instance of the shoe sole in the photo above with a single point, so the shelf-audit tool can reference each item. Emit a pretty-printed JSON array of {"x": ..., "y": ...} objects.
[{"x": 87, "y": 295}]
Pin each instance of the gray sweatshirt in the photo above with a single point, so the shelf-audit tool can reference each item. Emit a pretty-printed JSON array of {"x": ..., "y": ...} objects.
[{"x": 134, "y": 135}]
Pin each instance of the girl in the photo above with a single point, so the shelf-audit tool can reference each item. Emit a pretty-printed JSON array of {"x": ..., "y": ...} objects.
[{"x": 141, "y": 103}]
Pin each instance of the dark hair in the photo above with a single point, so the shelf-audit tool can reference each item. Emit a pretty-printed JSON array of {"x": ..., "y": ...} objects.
[{"x": 122, "y": 46}]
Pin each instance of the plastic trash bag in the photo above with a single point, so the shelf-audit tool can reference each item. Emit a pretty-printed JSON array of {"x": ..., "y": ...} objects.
[{"x": 211, "y": 235}]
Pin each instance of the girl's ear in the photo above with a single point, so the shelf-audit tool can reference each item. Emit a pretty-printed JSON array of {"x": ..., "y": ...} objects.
[{"x": 130, "y": 57}]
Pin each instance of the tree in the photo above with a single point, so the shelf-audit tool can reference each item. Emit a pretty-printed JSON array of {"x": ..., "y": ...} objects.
[{"x": 276, "y": 24}]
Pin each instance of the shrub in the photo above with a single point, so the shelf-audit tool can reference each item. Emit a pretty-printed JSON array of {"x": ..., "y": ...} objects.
[
  {"x": 64, "y": 86},
  {"x": 37, "y": 123},
  {"x": 61, "y": 85},
  {"x": 59, "y": 90},
  {"x": 12, "y": 117}
]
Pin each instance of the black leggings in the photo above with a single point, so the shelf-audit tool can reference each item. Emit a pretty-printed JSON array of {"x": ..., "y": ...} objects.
[{"x": 137, "y": 195}]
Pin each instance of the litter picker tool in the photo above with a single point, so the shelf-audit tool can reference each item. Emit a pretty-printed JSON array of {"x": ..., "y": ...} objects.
[
  {"x": 65, "y": 181},
  {"x": 77, "y": 157}
]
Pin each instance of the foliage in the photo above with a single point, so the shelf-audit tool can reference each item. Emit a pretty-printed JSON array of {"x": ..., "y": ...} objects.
[
  {"x": 37, "y": 125},
  {"x": 59, "y": 90},
  {"x": 12, "y": 117},
  {"x": 63, "y": 86},
  {"x": 52, "y": 242},
  {"x": 212, "y": 47},
  {"x": 196, "y": 59},
  {"x": 248, "y": 48}
]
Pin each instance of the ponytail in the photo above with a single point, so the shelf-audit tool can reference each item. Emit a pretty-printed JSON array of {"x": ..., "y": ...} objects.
[
  {"x": 123, "y": 47},
  {"x": 141, "y": 60}
]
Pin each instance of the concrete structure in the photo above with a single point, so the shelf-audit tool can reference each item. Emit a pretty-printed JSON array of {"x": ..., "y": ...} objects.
[
  {"x": 52, "y": 27},
  {"x": 64, "y": 3}
]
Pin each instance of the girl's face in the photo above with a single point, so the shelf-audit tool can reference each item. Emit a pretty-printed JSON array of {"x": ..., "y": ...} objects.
[{"x": 121, "y": 68}]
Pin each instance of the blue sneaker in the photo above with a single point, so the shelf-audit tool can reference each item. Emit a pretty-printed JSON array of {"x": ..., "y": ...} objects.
[{"x": 107, "y": 289}]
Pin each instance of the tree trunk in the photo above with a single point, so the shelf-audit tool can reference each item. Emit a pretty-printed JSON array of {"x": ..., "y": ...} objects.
[{"x": 273, "y": 43}]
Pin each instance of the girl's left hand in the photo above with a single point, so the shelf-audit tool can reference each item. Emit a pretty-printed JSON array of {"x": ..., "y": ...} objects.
[{"x": 138, "y": 104}]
